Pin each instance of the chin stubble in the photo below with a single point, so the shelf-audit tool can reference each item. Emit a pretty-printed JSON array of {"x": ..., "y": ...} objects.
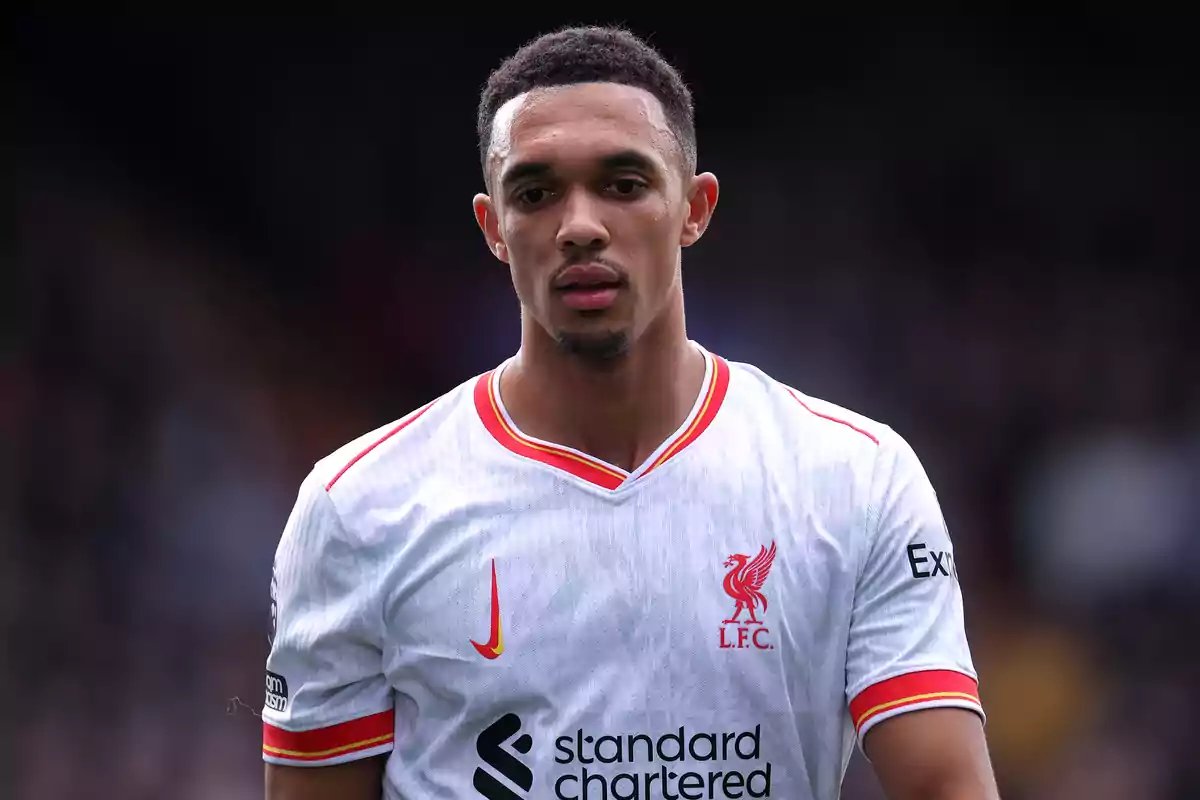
[{"x": 598, "y": 350}]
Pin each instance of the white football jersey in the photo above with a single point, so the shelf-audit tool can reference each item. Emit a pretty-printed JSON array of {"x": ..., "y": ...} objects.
[{"x": 508, "y": 618}]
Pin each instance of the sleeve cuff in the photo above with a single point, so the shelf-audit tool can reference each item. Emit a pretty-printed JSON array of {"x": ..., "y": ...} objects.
[
  {"x": 911, "y": 692},
  {"x": 335, "y": 744}
]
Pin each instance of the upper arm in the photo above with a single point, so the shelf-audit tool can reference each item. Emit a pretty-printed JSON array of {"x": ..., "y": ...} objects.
[
  {"x": 328, "y": 700},
  {"x": 932, "y": 754},
  {"x": 907, "y": 649},
  {"x": 353, "y": 780}
]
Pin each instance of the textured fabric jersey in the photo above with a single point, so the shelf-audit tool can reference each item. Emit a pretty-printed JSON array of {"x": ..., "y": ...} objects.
[{"x": 508, "y": 618}]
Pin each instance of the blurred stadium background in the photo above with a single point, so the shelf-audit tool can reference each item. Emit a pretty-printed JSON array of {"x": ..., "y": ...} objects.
[{"x": 241, "y": 243}]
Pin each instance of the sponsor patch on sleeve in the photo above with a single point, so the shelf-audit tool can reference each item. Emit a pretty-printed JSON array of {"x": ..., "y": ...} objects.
[{"x": 277, "y": 692}]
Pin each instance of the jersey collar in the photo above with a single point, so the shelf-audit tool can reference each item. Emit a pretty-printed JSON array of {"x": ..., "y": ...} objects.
[{"x": 593, "y": 470}]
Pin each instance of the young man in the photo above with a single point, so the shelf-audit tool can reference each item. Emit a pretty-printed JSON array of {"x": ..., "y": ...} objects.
[{"x": 616, "y": 566}]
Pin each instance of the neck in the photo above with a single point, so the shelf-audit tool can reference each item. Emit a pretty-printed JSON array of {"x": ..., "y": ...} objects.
[{"x": 619, "y": 411}]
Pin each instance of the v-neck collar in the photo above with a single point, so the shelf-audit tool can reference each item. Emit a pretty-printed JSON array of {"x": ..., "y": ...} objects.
[{"x": 589, "y": 468}]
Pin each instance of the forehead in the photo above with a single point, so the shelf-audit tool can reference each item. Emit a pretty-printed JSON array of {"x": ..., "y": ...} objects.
[{"x": 580, "y": 124}]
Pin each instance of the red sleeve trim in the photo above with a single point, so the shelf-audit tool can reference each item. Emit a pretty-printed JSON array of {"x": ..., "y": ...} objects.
[
  {"x": 337, "y": 740},
  {"x": 930, "y": 687}
]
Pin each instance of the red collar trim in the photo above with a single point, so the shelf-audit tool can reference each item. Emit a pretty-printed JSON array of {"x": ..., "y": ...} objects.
[{"x": 581, "y": 465}]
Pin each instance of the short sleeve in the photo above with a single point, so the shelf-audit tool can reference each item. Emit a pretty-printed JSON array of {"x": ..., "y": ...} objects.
[
  {"x": 908, "y": 647},
  {"x": 327, "y": 699}
]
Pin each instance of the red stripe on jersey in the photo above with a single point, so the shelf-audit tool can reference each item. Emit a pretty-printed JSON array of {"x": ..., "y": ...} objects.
[
  {"x": 336, "y": 740},
  {"x": 851, "y": 426},
  {"x": 713, "y": 398},
  {"x": 914, "y": 688},
  {"x": 404, "y": 423}
]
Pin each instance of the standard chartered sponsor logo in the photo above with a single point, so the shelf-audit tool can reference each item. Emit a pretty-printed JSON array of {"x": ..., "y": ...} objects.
[{"x": 679, "y": 765}]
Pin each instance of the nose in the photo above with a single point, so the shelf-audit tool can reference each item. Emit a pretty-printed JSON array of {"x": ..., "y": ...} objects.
[{"x": 581, "y": 226}]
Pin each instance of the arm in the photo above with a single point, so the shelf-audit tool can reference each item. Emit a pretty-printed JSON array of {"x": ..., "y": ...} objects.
[
  {"x": 328, "y": 719},
  {"x": 355, "y": 780},
  {"x": 911, "y": 685},
  {"x": 936, "y": 754}
]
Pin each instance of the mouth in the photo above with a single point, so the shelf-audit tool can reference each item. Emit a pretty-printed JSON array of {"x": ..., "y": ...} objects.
[
  {"x": 589, "y": 287},
  {"x": 593, "y": 297}
]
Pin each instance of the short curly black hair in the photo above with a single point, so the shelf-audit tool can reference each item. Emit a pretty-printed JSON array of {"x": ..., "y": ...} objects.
[{"x": 585, "y": 55}]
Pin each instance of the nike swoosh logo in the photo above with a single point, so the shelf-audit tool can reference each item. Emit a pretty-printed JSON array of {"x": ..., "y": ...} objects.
[{"x": 495, "y": 645}]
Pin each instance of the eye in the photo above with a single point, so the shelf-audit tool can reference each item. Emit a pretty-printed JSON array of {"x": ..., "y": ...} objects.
[
  {"x": 627, "y": 187},
  {"x": 532, "y": 196}
]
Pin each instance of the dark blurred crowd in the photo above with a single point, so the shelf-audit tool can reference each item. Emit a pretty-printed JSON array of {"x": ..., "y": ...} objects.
[{"x": 1008, "y": 286}]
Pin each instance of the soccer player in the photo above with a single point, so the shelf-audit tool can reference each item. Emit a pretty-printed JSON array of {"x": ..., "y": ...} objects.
[{"x": 617, "y": 565}]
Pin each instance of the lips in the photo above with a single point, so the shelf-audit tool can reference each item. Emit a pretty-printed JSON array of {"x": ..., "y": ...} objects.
[
  {"x": 588, "y": 277},
  {"x": 589, "y": 287}
]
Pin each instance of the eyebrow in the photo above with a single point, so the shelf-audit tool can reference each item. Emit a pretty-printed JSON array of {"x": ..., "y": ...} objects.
[{"x": 623, "y": 159}]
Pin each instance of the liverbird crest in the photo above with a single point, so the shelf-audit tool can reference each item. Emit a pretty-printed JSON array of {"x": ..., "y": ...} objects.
[{"x": 745, "y": 580}]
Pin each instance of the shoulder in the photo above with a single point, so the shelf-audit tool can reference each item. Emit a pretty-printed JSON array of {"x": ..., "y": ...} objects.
[
  {"x": 402, "y": 447},
  {"x": 793, "y": 412},
  {"x": 789, "y": 426}
]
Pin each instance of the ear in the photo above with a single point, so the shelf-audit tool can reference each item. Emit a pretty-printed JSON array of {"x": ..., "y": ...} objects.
[
  {"x": 702, "y": 202},
  {"x": 489, "y": 223}
]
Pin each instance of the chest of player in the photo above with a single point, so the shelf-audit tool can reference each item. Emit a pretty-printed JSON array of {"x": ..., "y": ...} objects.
[{"x": 530, "y": 590}]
